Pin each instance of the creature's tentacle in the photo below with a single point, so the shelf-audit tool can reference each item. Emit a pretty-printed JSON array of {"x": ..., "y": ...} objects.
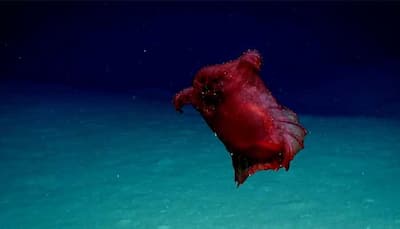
[
  {"x": 182, "y": 98},
  {"x": 251, "y": 58}
]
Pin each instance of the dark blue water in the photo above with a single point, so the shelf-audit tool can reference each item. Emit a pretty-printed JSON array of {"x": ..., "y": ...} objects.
[{"x": 89, "y": 137}]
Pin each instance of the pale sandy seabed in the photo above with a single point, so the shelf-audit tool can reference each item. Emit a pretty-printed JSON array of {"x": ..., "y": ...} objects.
[{"x": 98, "y": 161}]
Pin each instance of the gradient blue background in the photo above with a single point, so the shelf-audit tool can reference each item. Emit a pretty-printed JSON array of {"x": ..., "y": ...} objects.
[
  {"x": 319, "y": 58},
  {"x": 89, "y": 137}
]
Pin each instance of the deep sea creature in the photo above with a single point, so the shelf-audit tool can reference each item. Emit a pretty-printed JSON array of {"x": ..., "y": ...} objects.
[{"x": 259, "y": 133}]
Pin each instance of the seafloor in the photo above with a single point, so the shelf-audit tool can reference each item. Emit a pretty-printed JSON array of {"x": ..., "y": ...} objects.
[{"x": 75, "y": 159}]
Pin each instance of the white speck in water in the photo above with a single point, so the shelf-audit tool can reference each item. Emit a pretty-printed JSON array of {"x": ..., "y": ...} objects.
[
  {"x": 117, "y": 175},
  {"x": 144, "y": 50}
]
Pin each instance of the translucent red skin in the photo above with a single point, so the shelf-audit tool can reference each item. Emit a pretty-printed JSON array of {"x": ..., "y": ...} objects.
[{"x": 259, "y": 133}]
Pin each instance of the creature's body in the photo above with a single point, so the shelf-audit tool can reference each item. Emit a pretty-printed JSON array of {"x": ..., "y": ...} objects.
[{"x": 259, "y": 133}]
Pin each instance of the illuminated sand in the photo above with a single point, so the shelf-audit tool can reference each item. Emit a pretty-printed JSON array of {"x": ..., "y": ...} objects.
[{"x": 85, "y": 160}]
